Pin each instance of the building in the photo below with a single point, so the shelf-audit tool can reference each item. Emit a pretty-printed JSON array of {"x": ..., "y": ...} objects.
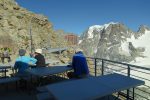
[{"x": 71, "y": 39}]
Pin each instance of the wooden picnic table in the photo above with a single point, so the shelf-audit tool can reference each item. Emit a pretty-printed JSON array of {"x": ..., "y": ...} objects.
[
  {"x": 4, "y": 67},
  {"x": 93, "y": 87}
]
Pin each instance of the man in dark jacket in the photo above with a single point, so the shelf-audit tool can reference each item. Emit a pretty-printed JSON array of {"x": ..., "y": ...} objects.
[
  {"x": 40, "y": 58},
  {"x": 79, "y": 64}
]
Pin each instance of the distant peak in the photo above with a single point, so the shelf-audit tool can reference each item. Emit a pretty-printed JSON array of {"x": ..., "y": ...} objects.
[
  {"x": 143, "y": 28},
  {"x": 104, "y": 25},
  {"x": 113, "y": 23},
  {"x": 99, "y": 28}
]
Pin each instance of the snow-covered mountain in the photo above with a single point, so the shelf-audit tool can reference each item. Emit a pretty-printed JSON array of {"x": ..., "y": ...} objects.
[{"x": 117, "y": 42}]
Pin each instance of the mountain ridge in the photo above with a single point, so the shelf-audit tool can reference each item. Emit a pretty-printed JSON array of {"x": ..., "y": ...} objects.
[{"x": 113, "y": 41}]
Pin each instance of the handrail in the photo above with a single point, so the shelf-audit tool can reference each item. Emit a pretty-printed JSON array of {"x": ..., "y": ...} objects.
[
  {"x": 136, "y": 66},
  {"x": 127, "y": 67}
]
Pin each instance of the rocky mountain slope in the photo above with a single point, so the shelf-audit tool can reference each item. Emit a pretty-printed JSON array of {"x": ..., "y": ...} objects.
[
  {"x": 115, "y": 41},
  {"x": 16, "y": 24}
]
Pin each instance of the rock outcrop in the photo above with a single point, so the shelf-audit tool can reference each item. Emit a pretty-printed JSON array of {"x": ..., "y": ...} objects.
[{"x": 17, "y": 25}]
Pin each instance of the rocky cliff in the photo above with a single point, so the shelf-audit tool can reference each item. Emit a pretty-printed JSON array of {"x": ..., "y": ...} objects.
[
  {"x": 115, "y": 41},
  {"x": 17, "y": 23}
]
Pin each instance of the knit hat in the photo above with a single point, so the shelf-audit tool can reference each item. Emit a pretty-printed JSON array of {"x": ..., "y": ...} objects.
[
  {"x": 38, "y": 51},
  {"x": 22, "y": 52},
  {"x": 79, "y": 50}
]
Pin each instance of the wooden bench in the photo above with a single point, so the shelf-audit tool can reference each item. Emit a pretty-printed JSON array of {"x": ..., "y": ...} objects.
[
  {"x": 125, "y": 95},
  {"x": 45, "y": 96},
  {"x": 3, "y": 72},
  {"x": 8, "y": 80},
  {"x": 41, "y": 89}
]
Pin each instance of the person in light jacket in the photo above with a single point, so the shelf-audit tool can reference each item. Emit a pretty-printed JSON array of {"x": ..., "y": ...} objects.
[{"x": 23, "y": 62}]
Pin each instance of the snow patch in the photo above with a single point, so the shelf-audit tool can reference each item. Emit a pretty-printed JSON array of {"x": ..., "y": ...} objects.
[
  {"x": 124, "y": 49},
  {"x": 98, "y": 28},
  {"x": 142, "y": 41},
  {"x": 80, "y": 41}
]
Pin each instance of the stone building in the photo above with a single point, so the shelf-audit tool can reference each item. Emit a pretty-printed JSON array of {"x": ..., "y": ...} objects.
[{"x": 71, "y": 39}]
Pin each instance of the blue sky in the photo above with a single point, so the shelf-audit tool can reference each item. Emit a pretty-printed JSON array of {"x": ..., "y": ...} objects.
[{"x": 77, "y": 15}]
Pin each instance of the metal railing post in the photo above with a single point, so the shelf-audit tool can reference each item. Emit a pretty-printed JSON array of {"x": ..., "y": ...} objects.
[
  {"x": 95, "y": 66},
  {"x": 128, "y": 76},
  {"x": 102, "y": 70},
  {"x": 133, "y": 93},
  {"x": 128, "y": 71}
]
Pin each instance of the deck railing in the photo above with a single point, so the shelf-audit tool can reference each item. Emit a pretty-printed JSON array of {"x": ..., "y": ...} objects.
[{"x": 100, "y": 66}]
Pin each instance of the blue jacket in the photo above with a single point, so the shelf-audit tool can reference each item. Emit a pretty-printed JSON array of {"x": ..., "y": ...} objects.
[
  {"x": 79, "y": 64},
  {"x": 22, "y": 63}
]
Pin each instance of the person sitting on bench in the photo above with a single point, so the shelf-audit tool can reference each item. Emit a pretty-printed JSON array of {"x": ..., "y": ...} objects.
[
  {"x": 22, "y": 63},
  {"x": 79, "y": 65}
]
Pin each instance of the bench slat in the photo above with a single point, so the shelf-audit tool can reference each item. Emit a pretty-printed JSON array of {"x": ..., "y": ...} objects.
[
  {"x": 44, "y": 96},
  {"x": 8, "y": 80}
]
